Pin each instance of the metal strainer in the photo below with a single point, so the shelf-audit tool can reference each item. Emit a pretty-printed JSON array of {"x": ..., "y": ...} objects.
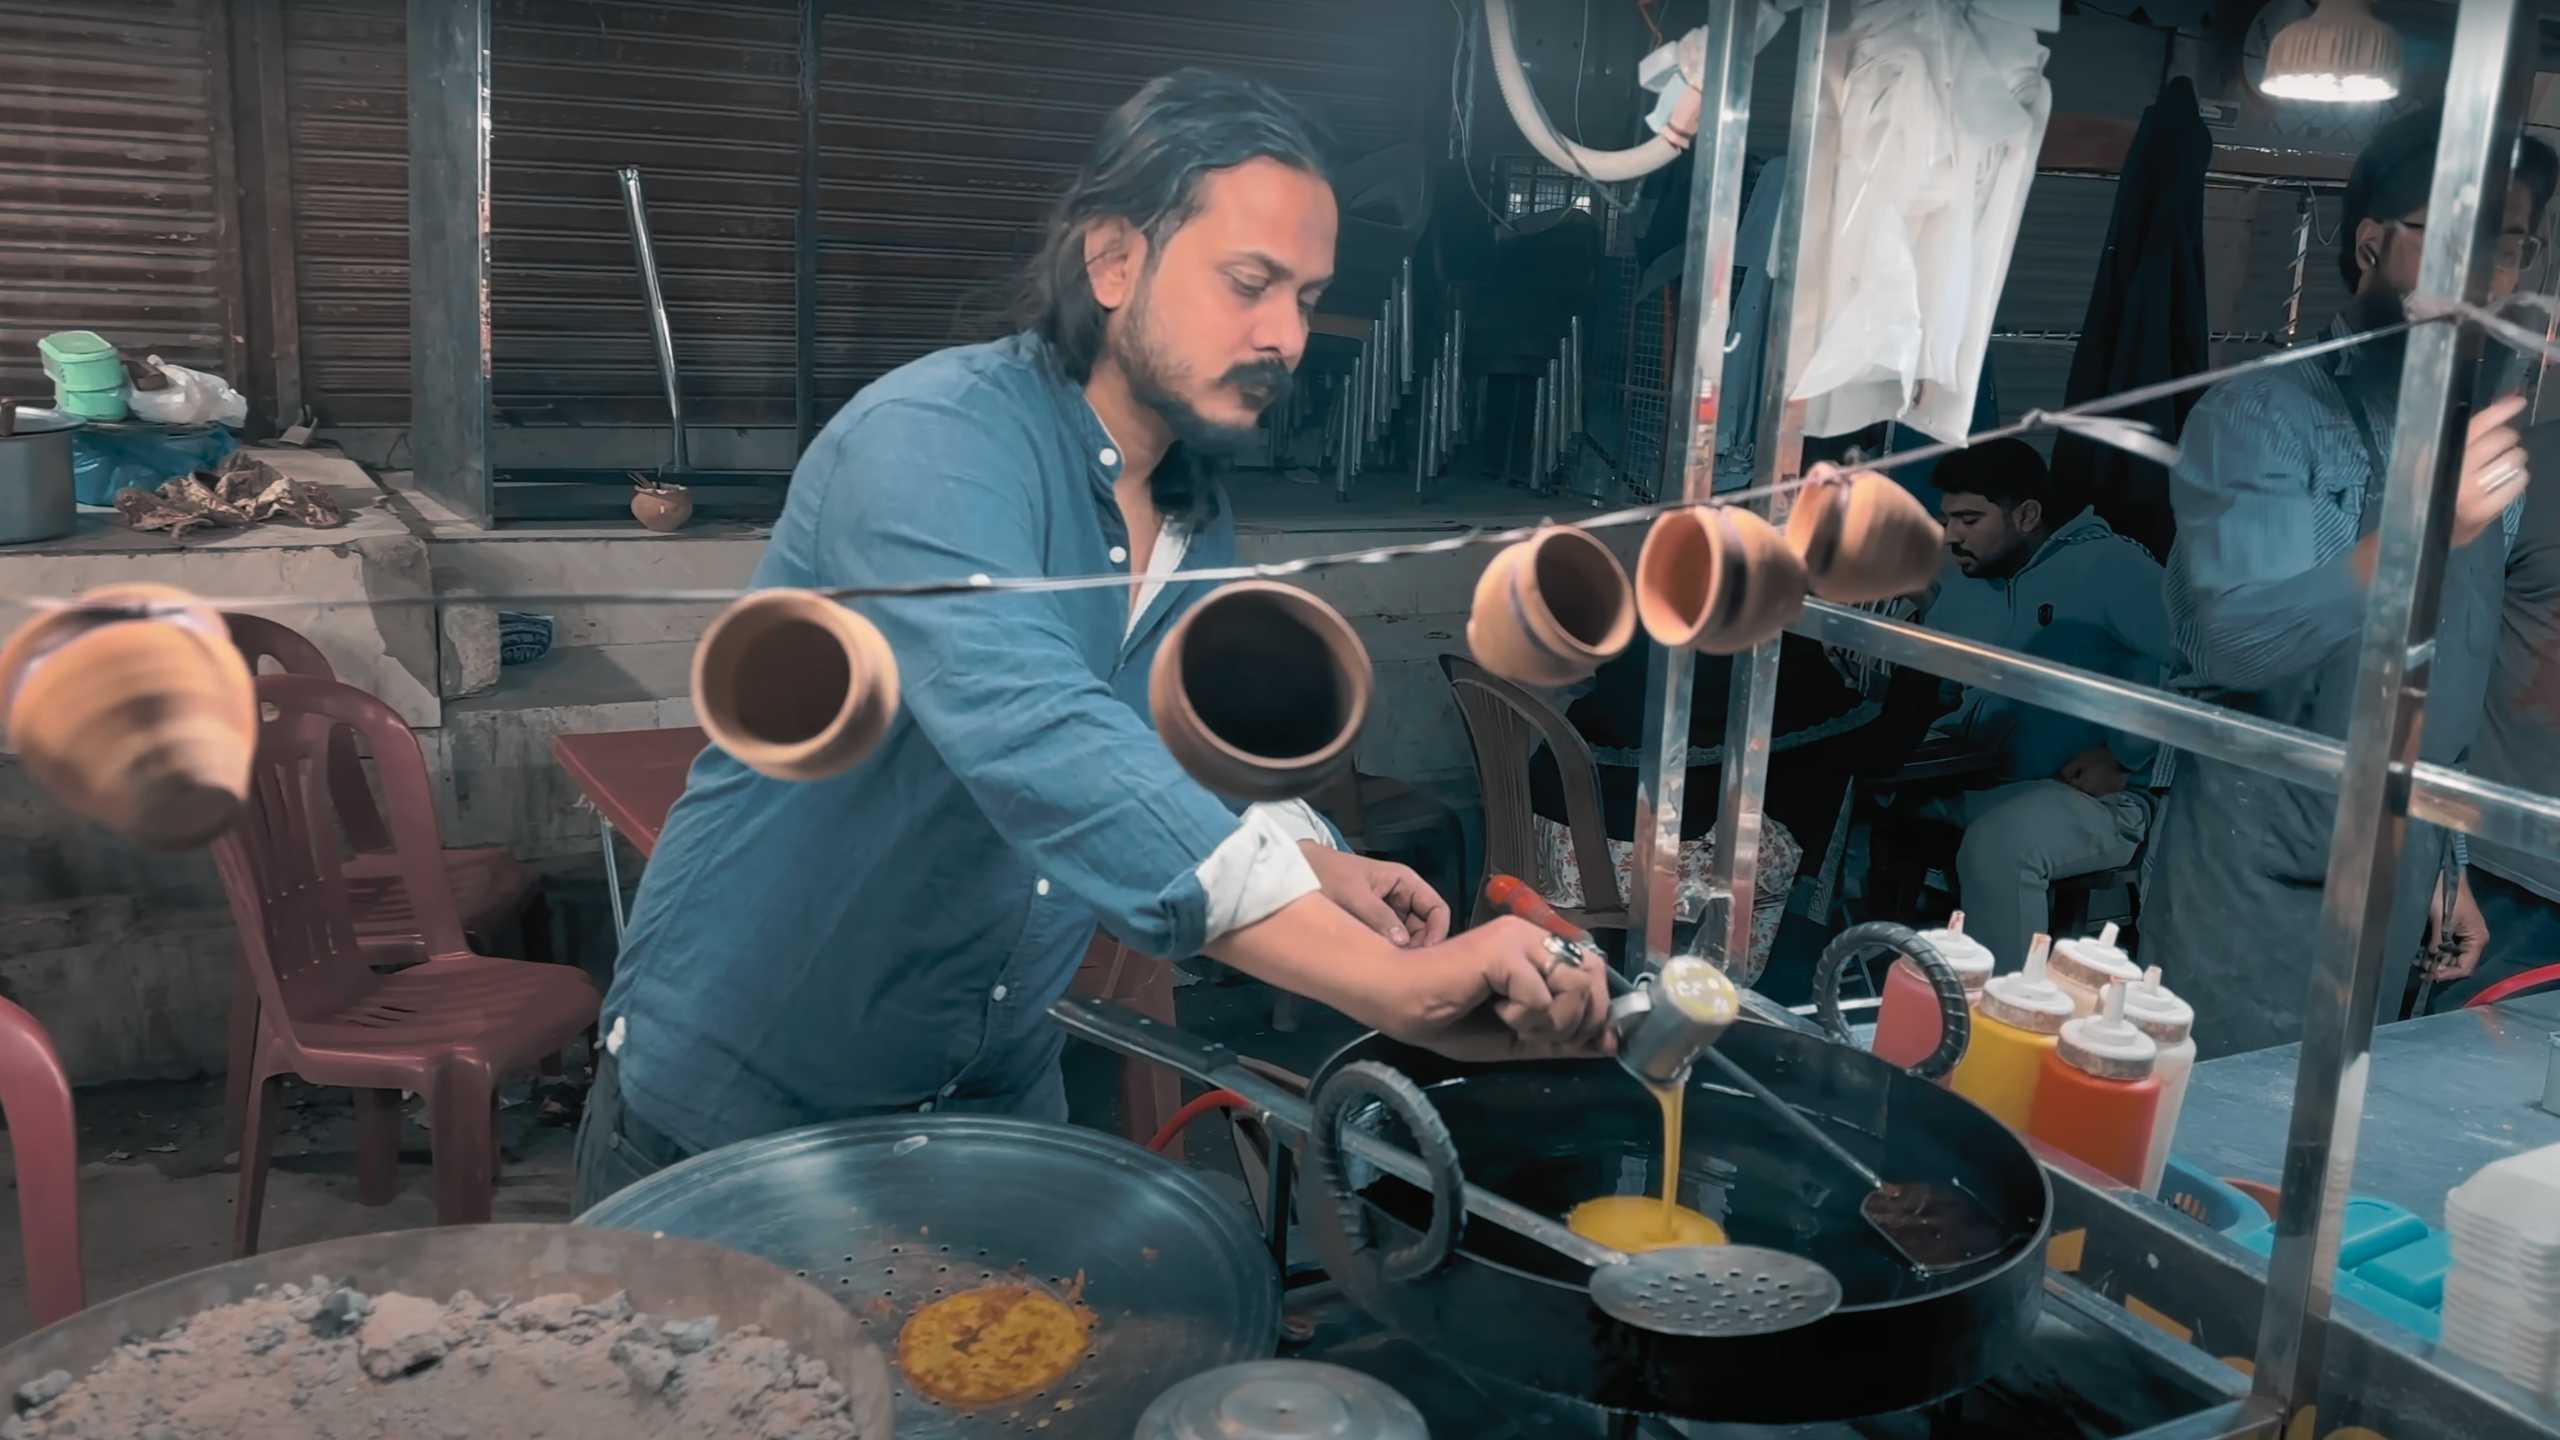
[{"x": 1715, "y": 1291}]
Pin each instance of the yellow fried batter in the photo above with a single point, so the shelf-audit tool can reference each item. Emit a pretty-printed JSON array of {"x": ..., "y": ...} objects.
[{"x": 986, "y": 1346}]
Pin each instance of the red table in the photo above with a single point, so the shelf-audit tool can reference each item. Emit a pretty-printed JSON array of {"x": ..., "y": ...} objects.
[{"x": 633, "y": 778}]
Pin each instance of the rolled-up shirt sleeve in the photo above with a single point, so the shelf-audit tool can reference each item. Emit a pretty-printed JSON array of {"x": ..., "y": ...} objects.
[
  {"x": 1260, "y": 868},
  {"x": 1066, "y": 773},
  {"x": 2260, "y": 580}
]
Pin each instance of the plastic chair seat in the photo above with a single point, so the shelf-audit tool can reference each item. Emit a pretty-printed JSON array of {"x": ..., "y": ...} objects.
[{"x": 506, "y": 1014}]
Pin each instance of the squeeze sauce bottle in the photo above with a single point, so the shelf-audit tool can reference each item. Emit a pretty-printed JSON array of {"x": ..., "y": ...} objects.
[
  {"x": 2014, "y": 1030},
  {"x": 2085, "y": 968},
  {"x": 1907, "y": 1022},
  {"x": 2171, "y": 1024},
  {"x": 2099, "y": 1099}
]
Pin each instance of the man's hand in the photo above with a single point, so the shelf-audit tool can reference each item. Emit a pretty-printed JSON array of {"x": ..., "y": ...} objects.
[
  {"x": 2094, "y": 772},
  {"x": 1500, "y": 992},
  {"x": 2455, "y": 956},
  {"x": 1386, "y": 897},
  {"x": 2493, "y": 470}
]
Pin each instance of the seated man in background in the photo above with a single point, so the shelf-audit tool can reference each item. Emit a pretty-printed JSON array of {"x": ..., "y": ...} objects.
[{"x": 2072, "y": 797}]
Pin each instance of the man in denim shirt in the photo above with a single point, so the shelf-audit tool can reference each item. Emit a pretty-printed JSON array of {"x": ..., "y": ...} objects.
[
  {"x": 890, "y": 939},
  {"x": 2277, "y": 495}
]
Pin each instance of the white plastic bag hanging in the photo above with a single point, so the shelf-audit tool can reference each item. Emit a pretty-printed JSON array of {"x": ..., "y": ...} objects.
[{"x": 191, "y": 397}]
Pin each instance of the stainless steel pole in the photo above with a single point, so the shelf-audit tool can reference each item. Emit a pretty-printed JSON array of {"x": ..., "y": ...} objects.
[
  {"x": 1555, "y": 411},
  {"x": 635, "y": 209},
  {"x": 1344, "y": 438},
  {"x": 1573, "y": 378},
  {"x": 1404, "y": 321},
  {"x": 1796, "y": 278},
  {"x": 1447, "y": 428},
  {"x": 1373, "y": 402},
  {"x": 1459, "y": 409},
  {"x": 2494, "y": 48},
  {"x": 1715, "y": 204},
  {"x": 1538, "y": 440}
]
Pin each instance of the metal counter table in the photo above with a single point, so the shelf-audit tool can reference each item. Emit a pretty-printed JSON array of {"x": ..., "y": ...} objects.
[{"x": 2449, "y": 1093}]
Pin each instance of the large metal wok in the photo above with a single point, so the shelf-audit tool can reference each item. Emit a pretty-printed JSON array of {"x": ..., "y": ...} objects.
[
  {"x": 1513, "y": 1313},
  {"x": 667, "y": 1277},
  {"x": 888, "y": 1215}
]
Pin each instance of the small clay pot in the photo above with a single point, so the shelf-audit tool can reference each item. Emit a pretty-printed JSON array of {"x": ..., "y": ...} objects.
[
  {"x": 134, "y": 710},
  {"x": 1863, "y": 537},
  {"x": 1550, "y": 609},
  {"x": 794, "y": 685},
  {"x": 1259, "y": 691},
  {"x": 662, "y": 507},
  {"x": 1718, "y": 579}
]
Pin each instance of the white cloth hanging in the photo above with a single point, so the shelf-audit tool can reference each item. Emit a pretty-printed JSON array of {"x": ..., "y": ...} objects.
[{"x": 1935, "y": 114}]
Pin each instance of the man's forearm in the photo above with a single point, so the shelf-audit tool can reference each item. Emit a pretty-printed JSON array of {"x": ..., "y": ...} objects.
[{"x": 1313, "y": 947}]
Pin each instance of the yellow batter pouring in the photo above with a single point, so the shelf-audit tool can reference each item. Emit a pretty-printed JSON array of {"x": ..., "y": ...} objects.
[{"x": 1640, "y": 1222}]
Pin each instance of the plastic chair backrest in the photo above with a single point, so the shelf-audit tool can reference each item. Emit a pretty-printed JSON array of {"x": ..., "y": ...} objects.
[
  {"x": 1504, "y": 722},
  {"x": 35, "y": 1094},
  {"x": 282, "y": 865},
  {"x": 258, "y": 638}
]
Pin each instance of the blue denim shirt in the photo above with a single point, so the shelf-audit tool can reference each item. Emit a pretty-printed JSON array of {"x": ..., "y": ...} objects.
[{"x": 893, "y": 937}]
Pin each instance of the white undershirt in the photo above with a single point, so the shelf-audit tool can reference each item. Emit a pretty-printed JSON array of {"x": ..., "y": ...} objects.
[{"x": 1258, "y": 869}]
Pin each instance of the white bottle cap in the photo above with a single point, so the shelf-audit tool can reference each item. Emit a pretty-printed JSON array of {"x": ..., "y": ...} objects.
[
  {"x": 2108, "y": 1045},
  {"x": 2158, "y": 1010},
  {"x": 1969, "y": 958},
  {"x": 2028, "y": 999},
  {"x": 2096, "y": 963}
]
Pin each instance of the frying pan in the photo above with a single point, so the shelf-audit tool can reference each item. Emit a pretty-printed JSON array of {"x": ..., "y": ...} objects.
[{"x": 1549, "y": 1134}]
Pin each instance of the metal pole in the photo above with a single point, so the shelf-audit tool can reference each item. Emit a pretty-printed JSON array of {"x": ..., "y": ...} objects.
[
  {"x": 2494, "y": 47},
  {"x": 1573, "y": 378},
  {"x": 1538, "y": 440},
  {"x": 1447, "y": 429},
  {"x": 1373, "y": 401},
  {"x": 2302, "y": 227},
  {"x": 636, "y": 209},
  {"x": 1458, "y": 408},
  {"x": 1796, "y": 278},
  {"x": 1422, "y": 442},
  {"x": 1404, "y": 321},
  {"x": 1555, "y": 411},
  {"x": 1715, "y": 204},
  {"x": 1343, "y": 438}
]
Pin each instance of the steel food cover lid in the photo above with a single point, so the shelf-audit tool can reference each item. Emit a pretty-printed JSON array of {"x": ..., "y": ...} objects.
[{"x": 1282, "y": 1400}]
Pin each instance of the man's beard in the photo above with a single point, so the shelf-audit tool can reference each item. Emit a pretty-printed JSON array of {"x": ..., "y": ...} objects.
[{"x": 1156, "y": 381}]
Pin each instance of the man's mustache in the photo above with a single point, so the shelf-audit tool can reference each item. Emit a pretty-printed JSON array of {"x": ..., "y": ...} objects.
[{"x": 1269, "y": 380}]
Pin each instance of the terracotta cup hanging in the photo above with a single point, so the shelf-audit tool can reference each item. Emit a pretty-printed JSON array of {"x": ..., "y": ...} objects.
[
  {"x": 1259, "y": 691},
  {"x": 1551, "y": 608},
  {"x": 794, "y": 685},
  {"x": 133, "y": 709},
  {"x": 661, "y": 505},
  {"x": 1717, "y": 578},
  {"x": 1863, "y": 537}
]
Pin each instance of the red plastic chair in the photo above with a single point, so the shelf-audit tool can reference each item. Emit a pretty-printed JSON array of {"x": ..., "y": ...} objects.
[
  {"x": 492, "y": 891},
  {"x": 449, "y": 1027},
  {"x": 36, "y": 1097},
  {"x": 2514, "y": 985}
]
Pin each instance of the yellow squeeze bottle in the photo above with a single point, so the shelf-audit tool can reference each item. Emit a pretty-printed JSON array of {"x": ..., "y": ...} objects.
[{"x": 2015, "y": 1027}]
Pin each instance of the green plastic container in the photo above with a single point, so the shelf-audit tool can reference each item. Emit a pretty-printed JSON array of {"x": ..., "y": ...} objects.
[
  {"x": 81, "y": 360},
  {"x": 92, "y": 404}
]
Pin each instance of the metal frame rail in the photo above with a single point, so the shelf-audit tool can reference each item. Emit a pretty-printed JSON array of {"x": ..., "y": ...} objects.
[{"x": 2375, "y": 773}]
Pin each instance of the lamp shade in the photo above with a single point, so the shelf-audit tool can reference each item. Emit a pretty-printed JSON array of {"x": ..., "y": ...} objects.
[{"x": 2341, "y": 53}]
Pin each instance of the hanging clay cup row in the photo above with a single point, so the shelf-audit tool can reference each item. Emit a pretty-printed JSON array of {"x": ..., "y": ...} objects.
[
  {"x": 1259, "y": 691},
  {"x": 1863, "y": 537},
  {"x": 1550, "y": 609},
  {"x": 133, "y": 709},
  {"x": 1717, "y": 578},
  {"x": 794, "y": 685}
]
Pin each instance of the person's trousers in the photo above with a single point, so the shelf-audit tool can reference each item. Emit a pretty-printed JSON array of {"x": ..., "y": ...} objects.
[
  {"x": 2019, "y": 839},
  {"x": 2524, "y": 934},
  {"x": 618, "y": 1148}
]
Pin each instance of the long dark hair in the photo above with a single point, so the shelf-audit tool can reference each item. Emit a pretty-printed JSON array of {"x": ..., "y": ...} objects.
[{"x": 1145, "y": 168}]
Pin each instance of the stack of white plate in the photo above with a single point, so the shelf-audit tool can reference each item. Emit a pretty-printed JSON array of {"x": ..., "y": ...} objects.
[{"x": 2502, "y": 1299}]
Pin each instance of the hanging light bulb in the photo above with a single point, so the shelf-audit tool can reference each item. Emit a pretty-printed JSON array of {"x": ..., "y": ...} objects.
[{"x": 2340, "y": 53}]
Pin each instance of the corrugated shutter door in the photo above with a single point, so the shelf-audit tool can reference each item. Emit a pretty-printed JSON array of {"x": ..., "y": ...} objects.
[
  {"x": 948, "y": 127},
  {"x": 704, "y": 99},
  {"x": 109, "y": 209},
  {"x": 346, "y": 64}
]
